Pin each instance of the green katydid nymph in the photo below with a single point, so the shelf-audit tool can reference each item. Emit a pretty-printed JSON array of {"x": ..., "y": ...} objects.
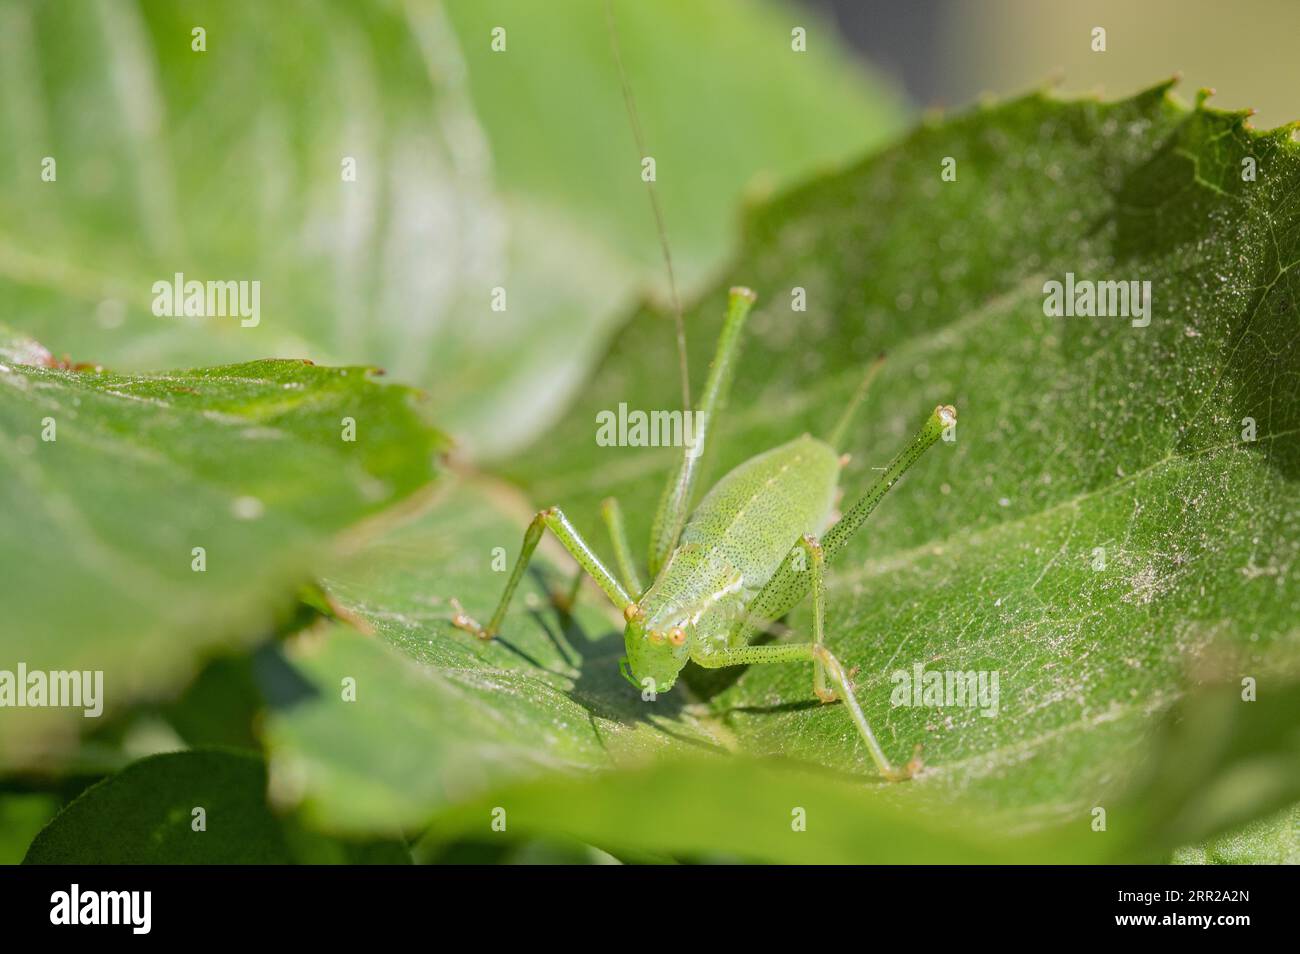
[{"x": 750, "y": 551}]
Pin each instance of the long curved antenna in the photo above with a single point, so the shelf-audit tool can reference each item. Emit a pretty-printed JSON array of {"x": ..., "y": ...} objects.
[{"x": 637, "y": 134}]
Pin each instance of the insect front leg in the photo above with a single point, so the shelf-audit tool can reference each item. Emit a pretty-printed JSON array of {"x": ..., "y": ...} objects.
[
  {"x": 815, "y": 653},
  {"x": 554, "y": 519}
]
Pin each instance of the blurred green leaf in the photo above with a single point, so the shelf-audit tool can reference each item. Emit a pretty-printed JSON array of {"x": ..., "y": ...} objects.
[
  {"x": 97, "y": 548},
  {"x": 474, "y": 170},
  {"x": 149, "y": 813},
  {"x": 736, "y": 807},
  {"x": 145, "y": 813},
  {"x": 1099, "y": 533},
  {"x": 1218, "y": 763}
]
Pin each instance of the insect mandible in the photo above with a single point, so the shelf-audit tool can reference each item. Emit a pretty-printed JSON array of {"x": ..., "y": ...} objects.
[{"x": 750, "y": 551}]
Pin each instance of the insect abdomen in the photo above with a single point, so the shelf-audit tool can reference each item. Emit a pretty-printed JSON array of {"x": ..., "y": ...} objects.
[{"x": 757, "y": 512}]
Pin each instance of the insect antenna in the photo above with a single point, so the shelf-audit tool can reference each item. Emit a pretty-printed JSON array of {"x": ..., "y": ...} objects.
[
  {"x": 635, "y": 121},
  {"x": 836, "y": 436}
]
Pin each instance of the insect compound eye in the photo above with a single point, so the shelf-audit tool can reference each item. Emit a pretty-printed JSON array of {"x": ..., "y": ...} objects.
[
  {"x": 655, "y": 637},
  {"x": 677, "y": 635}
]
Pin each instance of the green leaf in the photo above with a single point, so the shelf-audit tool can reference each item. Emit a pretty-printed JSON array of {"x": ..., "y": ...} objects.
[
  {"x": 1100, "y": 533},
  {"x": 473, "y": 171},
  {"x": 1074, "y": 434},
  {"x": 109, "y": 482},
  {"x": 198, "y": 807}
]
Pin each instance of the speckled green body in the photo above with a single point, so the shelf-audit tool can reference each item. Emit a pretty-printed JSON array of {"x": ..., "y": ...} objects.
[{"x": 734, "y": 541}]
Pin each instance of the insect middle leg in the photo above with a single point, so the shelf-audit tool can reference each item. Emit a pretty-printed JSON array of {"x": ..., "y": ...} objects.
[{"x": 554, "y": 520}]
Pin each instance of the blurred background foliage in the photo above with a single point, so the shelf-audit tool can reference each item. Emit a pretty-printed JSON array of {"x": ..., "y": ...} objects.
[
  {"x": 477, "y": 169},
  {"x": 947, "y": 53}
]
